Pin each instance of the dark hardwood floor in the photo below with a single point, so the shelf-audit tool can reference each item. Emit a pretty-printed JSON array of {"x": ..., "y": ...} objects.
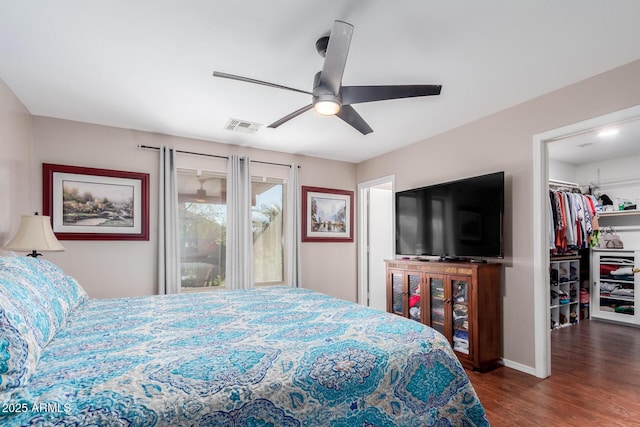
[{"x": 595, "y": 381}]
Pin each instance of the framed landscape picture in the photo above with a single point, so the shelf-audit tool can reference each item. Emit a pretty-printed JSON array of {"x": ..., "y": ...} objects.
[
  {"x": 327, "y": 215},
  {"x": 95, "y": 204}
]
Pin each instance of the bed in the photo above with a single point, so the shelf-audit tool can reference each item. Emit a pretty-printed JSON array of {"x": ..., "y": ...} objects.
[{"x": 274, "y": 356}]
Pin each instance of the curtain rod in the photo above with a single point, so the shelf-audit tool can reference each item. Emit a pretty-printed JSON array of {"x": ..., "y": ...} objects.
[{"x": 149, "y": 147}]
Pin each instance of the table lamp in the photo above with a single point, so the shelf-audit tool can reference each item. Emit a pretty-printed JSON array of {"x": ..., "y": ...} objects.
[{"x": 35, "y": 234}]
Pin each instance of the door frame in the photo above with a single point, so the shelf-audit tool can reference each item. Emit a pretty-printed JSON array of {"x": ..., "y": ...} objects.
[
  {"x": 542, "y": 332},
  {"x": 363, "y": 235}
]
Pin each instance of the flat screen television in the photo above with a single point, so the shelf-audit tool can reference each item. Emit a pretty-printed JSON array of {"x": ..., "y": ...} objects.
[{"x": 458, "y": 219}]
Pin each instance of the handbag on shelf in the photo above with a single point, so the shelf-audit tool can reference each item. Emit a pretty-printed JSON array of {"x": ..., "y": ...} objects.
[{"x": 610, "y": 239}]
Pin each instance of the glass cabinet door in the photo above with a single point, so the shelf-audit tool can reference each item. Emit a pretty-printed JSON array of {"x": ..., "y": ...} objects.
[
  {"x": 397, "y": 293},
  {"x": 415, "y": 310},
  {"x": 437, "y": 309},
  {"x": 460, "y": 318}
]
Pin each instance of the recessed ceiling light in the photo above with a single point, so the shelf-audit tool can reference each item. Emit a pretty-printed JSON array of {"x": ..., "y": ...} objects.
[{"x": 608, "y": 132}]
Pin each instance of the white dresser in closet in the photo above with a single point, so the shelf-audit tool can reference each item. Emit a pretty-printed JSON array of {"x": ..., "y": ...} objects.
[{"x": 613, "y": 295}]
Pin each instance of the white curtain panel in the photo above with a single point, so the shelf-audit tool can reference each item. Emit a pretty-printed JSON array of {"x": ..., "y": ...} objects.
[
  {"x": 168, "y": 240},
  {"x": 239, "y": 273},
  {"x": 294, "y": 212}
]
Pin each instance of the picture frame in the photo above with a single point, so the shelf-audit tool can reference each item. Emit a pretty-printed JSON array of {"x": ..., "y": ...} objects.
[
  {"x": 95, "y": 204},
  {"x": 327, "y": 215}
]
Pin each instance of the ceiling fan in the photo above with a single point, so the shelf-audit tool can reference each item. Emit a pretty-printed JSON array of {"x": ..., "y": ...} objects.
[{"x": 329, "y": 97}]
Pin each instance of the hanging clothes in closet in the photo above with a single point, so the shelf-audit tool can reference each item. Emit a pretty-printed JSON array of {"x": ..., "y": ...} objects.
[{"x": 574, "y": 223}]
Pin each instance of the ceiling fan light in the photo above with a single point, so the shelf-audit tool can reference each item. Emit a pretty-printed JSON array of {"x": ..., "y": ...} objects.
[
  {"x": 201, "y": 195},
  {"x": 608, "y": 132},
  {"x": 326, "y": 108}
]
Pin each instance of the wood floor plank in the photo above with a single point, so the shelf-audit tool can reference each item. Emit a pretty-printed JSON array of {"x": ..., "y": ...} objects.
[{"x": 595, "y": 381}]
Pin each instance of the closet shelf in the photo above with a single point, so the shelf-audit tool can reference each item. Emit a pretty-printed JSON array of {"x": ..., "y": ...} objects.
[
  {"x": 619, "y": 213},
  {"x": 607, "y": 300}
]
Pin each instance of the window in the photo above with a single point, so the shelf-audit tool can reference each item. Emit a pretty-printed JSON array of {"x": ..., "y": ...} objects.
[
  {"x": 202, "y": 216},
  {"x": 203, "y": 222},
  {"x": 268, "y": 233}
]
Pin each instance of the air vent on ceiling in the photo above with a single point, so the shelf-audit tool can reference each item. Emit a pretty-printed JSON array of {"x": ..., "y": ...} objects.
[
  {"x": 242, "y": 126},
  {"x": 585, "y": 144}
]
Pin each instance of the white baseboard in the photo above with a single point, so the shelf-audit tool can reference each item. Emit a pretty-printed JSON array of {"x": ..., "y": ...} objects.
[{"x": 519, "y": 367}]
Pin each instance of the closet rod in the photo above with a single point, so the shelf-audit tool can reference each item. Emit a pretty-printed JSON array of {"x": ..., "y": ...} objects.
[
  {"x": 557, "y": 182},
  {"x": 149, "y": 147}
]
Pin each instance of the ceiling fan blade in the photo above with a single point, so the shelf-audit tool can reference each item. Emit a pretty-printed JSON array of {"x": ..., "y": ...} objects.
[
  {"x": 259, "y": 82},
  {"x": 351, "y": 116},
  {"x": 357, "y": 94},
  {"x": 290, "y": 116},
  {"x": 336, "y": 56}
]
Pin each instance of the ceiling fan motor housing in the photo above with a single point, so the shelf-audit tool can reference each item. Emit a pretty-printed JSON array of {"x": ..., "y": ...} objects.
[
  {"x": 321, "y": 45},
  {"x": 321, "y": 93}
]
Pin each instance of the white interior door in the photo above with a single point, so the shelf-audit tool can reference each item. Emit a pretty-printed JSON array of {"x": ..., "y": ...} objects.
[{"x": 380, "y": 233}]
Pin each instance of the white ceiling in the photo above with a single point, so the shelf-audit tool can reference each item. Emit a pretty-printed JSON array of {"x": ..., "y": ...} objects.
[
  {"x": 147, "y": 64},
  {"x": 591, "y": 146}
]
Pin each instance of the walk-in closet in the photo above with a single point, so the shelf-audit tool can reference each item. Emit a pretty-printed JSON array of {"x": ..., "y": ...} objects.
[{"x": 594, "y": 226}]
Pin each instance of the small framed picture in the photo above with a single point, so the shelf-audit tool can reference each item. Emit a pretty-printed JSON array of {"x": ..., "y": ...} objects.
[
  {"x": 327, "y": 215},
  {"x": 95, "y": 204}
]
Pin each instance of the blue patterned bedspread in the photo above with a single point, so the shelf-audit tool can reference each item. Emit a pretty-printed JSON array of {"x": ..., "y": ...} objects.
[{"x": 262, "y": 357}]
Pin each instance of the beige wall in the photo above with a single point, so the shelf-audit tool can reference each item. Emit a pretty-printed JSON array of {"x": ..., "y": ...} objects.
[
  {"x": 16, "y": 142},
  {"x": 113, "y": 269},
  {"x": 503, "y": 141}
]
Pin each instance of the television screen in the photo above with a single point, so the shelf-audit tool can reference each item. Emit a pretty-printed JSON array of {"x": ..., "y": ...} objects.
[{"x": 454, "y": 219}]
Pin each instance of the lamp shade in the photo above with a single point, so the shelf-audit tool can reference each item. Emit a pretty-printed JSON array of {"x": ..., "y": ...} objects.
[{"x": 34, "y": 234}]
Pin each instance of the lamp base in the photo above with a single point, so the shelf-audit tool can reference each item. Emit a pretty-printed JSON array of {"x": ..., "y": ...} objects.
[{"x": 34, "y": 254}]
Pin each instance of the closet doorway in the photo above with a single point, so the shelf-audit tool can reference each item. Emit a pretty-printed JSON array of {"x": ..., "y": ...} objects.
[
  {"x": 599, "y": 155},
  {"x": 376, "y": 239}
]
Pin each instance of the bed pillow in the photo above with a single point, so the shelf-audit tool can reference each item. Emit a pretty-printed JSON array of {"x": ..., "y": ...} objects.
[
  {"x": 36, "y": 298},
  {"x": 19, "y": 349},
  {"x": 45, "y": 284},
  {"x": 53, "y": 279}
]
